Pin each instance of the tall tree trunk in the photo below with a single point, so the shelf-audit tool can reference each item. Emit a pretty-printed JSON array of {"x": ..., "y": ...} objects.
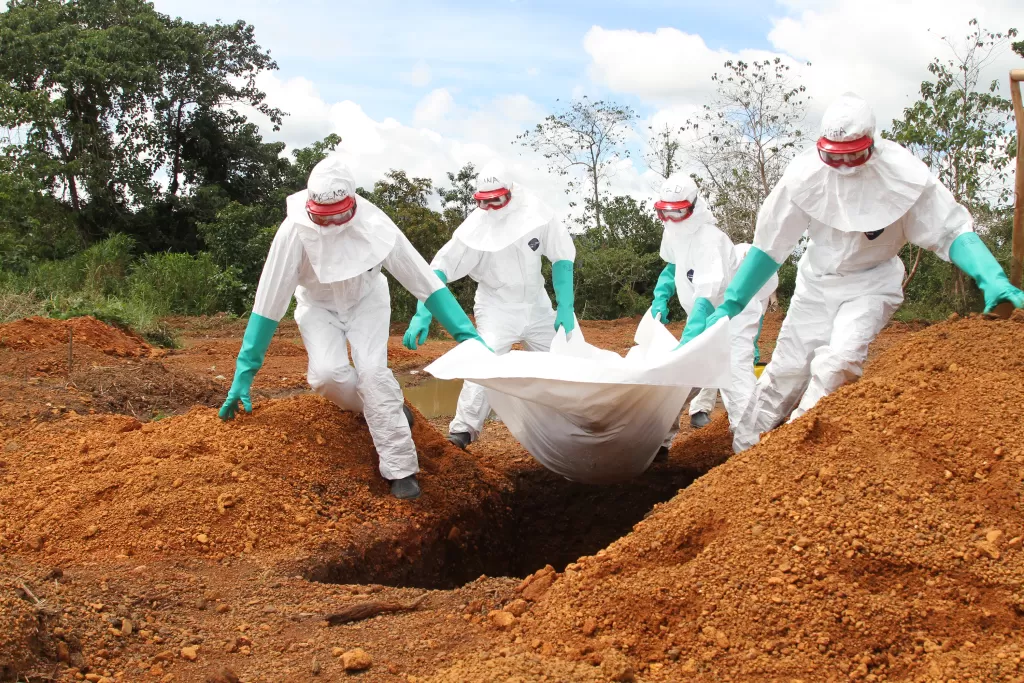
[
  {"x": 176, "y": 164},
  {"x": 597, "y": 199},
  {"x": 913, "y": 269}
]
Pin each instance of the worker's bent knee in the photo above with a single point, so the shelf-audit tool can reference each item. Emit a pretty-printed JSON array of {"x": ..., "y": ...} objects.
[
  {"x": 835, "y": 369},
  {"x": 322, "y": 380}
]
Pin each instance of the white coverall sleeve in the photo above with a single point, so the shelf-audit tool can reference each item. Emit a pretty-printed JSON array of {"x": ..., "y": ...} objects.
[
  {"x": 936, "y": 220},
  {"x": 558, "y": 244},
  {"x": 410, "y": 269},
  {"x": 455, "y": 260},
  {"x": 280, "y": 274},
  {"x": 780, "y": 224}
]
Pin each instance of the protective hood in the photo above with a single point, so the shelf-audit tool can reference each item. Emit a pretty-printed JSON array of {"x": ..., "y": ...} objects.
[
  {"x": 676, "y": 235},
  {"x": 495, "y": 230},
  {"x": 341, "y": 252},
  {"x": 677, "y": 188},
  {"x": 862, "y": 199}
]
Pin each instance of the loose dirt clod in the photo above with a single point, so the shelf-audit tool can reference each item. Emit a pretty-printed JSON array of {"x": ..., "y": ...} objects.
[
  {"x": 366, "y": 610},
  {"x": 356, "y": 660}
]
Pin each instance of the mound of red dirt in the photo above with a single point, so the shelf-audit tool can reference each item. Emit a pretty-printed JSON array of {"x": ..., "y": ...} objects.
[
  {"x": 876, "y": 538},
  {"x": 111, "y": 371},
  {"x": 298, "y": 478},
  {"x": 36, "y": 332}
]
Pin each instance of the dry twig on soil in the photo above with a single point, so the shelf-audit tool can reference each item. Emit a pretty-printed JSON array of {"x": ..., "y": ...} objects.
[{"x": 365, "y": 610}]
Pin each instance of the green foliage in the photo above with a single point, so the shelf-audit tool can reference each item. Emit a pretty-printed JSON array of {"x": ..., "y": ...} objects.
[
  {"x": 962, "y": 133},
  {"x": 237, "y": 241},
  {"x": 406, "y": 201},
  {"x": 457, "y": 201},
  {"x": 180, "y": 284},
  {"x": 107, "y": 93},
  {"x": 617, "y": 266}
]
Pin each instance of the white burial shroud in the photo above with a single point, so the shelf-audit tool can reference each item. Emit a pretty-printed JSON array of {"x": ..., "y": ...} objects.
[{"x": 589, "y": 414}]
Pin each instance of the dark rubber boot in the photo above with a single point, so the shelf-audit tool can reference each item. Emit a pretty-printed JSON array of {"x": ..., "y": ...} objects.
[
  {"x": 406, "y": 488},
  {"x": 460, "y": 439},
  {"x": 408, "y": 415},
  {"x": 698, "y": 420},
  {"x": 662, "y": 455}
]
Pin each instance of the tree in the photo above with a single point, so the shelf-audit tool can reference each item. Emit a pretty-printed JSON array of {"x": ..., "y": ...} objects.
[
  {"x": 107, "y": 93},
  {"x": 238, "y": 236},
  {"x": 663, "y": 149},
  {"x": 617, "y": 265},
  {"x": 583, "y": 143},
  {"x": 965, "y": 136},
  {"x": 457, "y": 201},
  {"x": 744, "y": 139},
  {"x": 308, "y": 157},
  {"x": 204, "y": 69}
]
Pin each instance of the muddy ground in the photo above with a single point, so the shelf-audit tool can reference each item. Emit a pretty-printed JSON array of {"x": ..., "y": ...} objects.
[{"x": 141, "y": 539}]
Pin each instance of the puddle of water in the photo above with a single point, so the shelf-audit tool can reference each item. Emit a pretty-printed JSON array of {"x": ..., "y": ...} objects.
[{"x": 431, "y": 396}]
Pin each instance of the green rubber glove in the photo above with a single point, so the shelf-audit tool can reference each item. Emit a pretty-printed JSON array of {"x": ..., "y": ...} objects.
[
  {"x": 443, "y": 306},
  {"x": 757, "y": 268},
  {"x": 663, "y": 291},
  {"x": 561, "y": 282},
  {"x": 419, "y": 325},
  {"x": 254, "y": 349},
  {"x": 757, "y": 349},
  {"x": 697, "y": 319},
  {"x": 971, "y": 255}
]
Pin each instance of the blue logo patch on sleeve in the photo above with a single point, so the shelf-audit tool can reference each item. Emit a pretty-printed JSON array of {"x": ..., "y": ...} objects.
[
  {"x": 874, "y": 234},
  {"x": 534, "y": 244},
  {"x": 689, "y": 275}
]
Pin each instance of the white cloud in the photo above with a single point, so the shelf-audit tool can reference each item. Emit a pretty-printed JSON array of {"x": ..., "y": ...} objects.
[
  {"x": 445, "y": 136},
  {"x": 664, "y": 65},
  {"x": 419, "y": 77},
  {"x": 877, "y": 48},
  {"x": 434, "y": 107}
]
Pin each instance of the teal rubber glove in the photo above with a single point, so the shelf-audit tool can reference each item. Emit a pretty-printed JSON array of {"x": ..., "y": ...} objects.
[
  {"x": 419, "y": 325},
  {"x": 697, "y": 320},
  {"x": 250, "y": 359},
  {"x": 663, "y": 291},
  {"x": 443, "y": 306},
  {"x": 561, "y": 282},
  {"x": 757, "y": 268},
  {"x": 971, "y": 255},
  {"x": 757, "y": 337}
]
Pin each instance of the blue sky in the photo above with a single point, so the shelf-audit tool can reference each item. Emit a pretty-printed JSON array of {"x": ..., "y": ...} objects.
[
  {"x": 430, "y": 86},
  {"x": 478, "y": 50}
]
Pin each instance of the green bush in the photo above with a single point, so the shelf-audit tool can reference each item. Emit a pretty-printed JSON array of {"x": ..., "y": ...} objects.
[
  {"x": 179, "y": 284},
  {"x": 98, "y": 271}
]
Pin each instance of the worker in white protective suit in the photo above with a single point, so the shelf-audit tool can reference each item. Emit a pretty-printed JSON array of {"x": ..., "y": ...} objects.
[
  {"x": 329, "y": 252},
  {"x": 500, "y": 246},
  {"x": 703, "y": 403},
  {"x": 860, "y": 198},
  {"x": 701, "y": 260}
]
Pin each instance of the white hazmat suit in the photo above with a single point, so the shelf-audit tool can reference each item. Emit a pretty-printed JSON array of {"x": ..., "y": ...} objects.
[
  {"x": 705, "y": 260},
  {"x": 849, "y": 279},
  {"x": 501, "y": 250},
  {"x": 343, "y": 302}
]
